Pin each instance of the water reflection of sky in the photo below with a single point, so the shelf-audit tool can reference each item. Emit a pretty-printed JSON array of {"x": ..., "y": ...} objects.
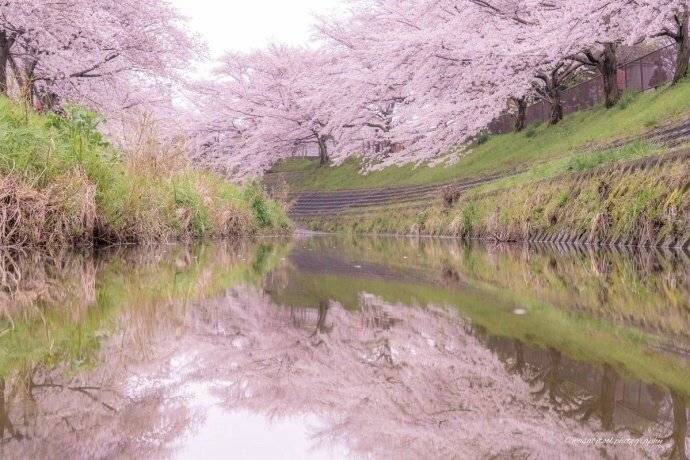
[
  {"x": 219, "y": 432},
  {"x": 245, "y": 435}
]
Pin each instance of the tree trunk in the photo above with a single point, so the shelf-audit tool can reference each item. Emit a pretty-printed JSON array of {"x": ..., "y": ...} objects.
[
  {"x": 323, "y": 152},
  {"x": 683, "y": 51},
  {"x": 680, "y": 426},
  {"x": 607, "y": 397},
  {"x": 25, "y": 78},
  {"x": 608, "y": 66},
  {"x": 321, "y": 318},
  {"x": 521, "y": 114},
  {"x": 556, "y": 106},
  {"x": 551, "y": 87},
  {"x": 4, "y": 58}
]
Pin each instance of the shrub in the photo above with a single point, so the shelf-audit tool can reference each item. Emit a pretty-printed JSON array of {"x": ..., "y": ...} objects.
[
  {"x": 256, "y": 195},
  {"x": 451, "y": 194}
]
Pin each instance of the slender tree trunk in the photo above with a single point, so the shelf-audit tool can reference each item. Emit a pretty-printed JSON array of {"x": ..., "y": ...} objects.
[
  {"x": 607, "y": 397},
  {"x": 4, "y": 58},
  {"x": 550, "y": 88},
  {"x": 556, "y": 105},
  {"x": 608, "y": 66},
  {"x": 680, "y": 426},
  {"x": 683, "y": 51},
  {"x": 323, "y": 151},
  {"x": 521, "y": 114},
  {"x": 321, "y": 318}
]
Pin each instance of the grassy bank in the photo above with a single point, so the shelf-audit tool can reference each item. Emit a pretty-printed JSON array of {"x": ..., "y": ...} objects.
[
  {"x": 538, "y": 145},
  {"x": 638, "y": 202},
  {"x": 61, "y": 182}
]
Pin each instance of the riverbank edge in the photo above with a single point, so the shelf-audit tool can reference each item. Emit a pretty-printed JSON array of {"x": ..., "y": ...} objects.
[
  {"x": 637, "y": 203},
  {"x": 66, "y": 213}
]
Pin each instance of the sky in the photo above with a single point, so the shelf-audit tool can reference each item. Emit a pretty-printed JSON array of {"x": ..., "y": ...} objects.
[{"x": 243, "y": 25}]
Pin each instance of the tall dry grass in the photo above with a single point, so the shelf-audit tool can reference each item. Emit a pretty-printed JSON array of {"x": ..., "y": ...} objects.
[{"x": 61, "y": 213}]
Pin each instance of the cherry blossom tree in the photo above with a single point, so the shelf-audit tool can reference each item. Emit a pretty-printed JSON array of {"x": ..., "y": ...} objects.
[
  {"x": 396, "y": 81},
  {"x": 597, "y": 28},
  {"x": 434, "y": 62},
  {"x": 93, "y": 53},
  {"x": 267, "y": 105},
  {"x": 606, "y": 62},
  {"x": 402, "y": 81},
  {"x": 368, "y": 92}
]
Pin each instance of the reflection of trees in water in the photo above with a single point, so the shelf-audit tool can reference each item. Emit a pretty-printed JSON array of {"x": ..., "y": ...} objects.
[
  {"x": 674, "y": 434},
  {"x": 389, "y": 380},
  {"x": 392, "y": 380},
  {"x": 551, "y": 381},
  {"x": 48, "y": 414},
  {"x": 596, "y": 281},
  {"x": 29, "y": 280},
  {"x": 61, "y": 315},
  {"x": 600, "y": 401},
  {"x": 519, "y": 366},
  {"x": 321, "y": 327},
  {"x": 602, "y": 404},
  {"x": 567, "y": 401}
]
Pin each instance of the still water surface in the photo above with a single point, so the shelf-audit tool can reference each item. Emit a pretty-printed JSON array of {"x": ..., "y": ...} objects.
[{"x": 337, "y": 347}]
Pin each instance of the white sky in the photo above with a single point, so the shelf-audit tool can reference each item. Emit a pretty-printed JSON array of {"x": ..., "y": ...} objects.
[{"x": 243, "y": 25}]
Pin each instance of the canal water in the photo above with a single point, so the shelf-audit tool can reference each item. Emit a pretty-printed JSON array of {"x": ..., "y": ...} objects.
[{"x": 344, "y": 347}]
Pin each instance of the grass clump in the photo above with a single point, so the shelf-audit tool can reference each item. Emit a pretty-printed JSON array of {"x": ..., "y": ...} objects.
[{"x": 63, "y": 182}]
